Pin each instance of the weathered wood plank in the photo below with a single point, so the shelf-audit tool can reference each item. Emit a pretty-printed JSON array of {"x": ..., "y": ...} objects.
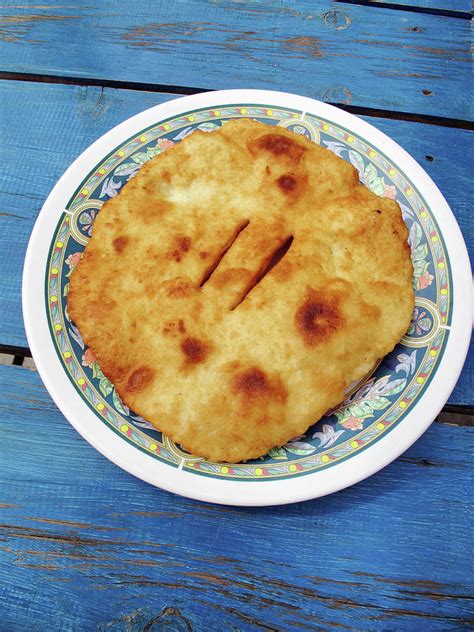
[
  {"x": 334, "y": 52},
  {"x": 47, "y": 126},
  {"x": 88, "y": 546}
]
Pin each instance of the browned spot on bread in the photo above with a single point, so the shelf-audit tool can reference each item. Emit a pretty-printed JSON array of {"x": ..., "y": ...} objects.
[
  {"x": 178, "y": 288},
  {"x": 255, "y": 384},
  {"x": 140, "y": 379},
  {"x": 174, "y": 328},
  {"x": 166, "y": 176},
  {"x": 286, "y": 183},
  {"x": 318, "y": 318},
  {"x": 251, "y": 382},
  {"x": 120, "y": 243},
  {"x": 278, "y": 145},
  {"x": 181, "y": 290},
  {"x": 177, "y": 255},
  {"x": 204, "y": 254},
  {"x": 183, "y": 244},
  {"x": 195, "y": 350},
  {"x": 167, "y": 328}
]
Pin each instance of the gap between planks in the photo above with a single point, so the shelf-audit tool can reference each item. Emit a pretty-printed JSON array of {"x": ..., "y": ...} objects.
[
  {"x": 447, "y": 13},
  {"x": 188, "y": 90}
]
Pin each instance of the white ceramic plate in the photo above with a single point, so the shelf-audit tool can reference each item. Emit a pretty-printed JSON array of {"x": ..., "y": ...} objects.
[{"x": 382, "y": 416}]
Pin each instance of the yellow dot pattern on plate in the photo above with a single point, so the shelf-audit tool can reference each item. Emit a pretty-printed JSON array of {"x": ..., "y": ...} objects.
[
  {"x": 54, "y": 299},
  {"x": 153, "y": 446},
  {"x": 409, "y": 192},
  {"x": 325, "y": 127},
  {"x": 392, "y": 172},
  {"x": 373, "y": 154},
  {"x": 124, "y": 427},
  {"x": 67, "y": 354},
  {"x": 143, "y": 138},
  {"x": 100, "y": 406},
  {"x": 102, "y": 171},
  {"x": 191, "y": 118},
  {"x": 54, "y": 270},
  {"x": 217, "y": 112},
  {"x": 444, "y": 291},
  {"x": 59, "y": 244},
  {"x": 81, "y": 381},
  {"x": 325, "y": 458},
  {"x": 424, "y": 214},
  {"x": 354, "y": 444},
  {"x": 57, "y": 327},
  {"x": 85, "y": 192},
  {"x": 270, "y": 112},
  {"x": 292, "y": 468},
  {"x": 380, "y": 426},
  {"x": 243, "y": 110},
  {"x": 258, "y": 471},
  {"x": 420, "y": 380},
  {"x": 440, "y": 265},
  {"x": 433, "y": 353},
  {"x": 224, "y": 470},
  {"x": 350, "y": 139},
  {"x": 166, "y": 127},
  {"x": 121, "y": 153},
  {"x": 434, "y": 239},
  {"x": 403, "y": 404}
]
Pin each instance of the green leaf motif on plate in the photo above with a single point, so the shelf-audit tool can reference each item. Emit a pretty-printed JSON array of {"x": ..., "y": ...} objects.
[
  {"x": 373, "y": 181},
  {"x": 124, "y": 410},
  {"x": 105, "y": 386},
  {"x": 300, "y": 448},
  {"x": 278, "y": 454},
  {"x": 357, "y": 161}
]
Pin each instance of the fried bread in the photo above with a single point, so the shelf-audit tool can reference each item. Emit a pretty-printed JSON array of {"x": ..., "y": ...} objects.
[{"x": 238, "y": 284}]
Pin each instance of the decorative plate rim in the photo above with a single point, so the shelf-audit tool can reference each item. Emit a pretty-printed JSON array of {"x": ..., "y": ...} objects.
[{"x": 255, "y": 492}]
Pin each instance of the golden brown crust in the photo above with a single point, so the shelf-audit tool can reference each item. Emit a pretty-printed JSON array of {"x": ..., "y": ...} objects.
[
  {"x": 238, "y": 284},
  {"x": 319, "y": 317}
]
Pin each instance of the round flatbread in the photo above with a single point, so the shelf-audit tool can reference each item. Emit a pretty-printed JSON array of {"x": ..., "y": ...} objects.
[{"x": 238, "y": 284}]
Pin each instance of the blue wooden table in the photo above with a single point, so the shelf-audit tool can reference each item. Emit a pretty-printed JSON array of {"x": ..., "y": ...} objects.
[{"x": 84, "y": 545}]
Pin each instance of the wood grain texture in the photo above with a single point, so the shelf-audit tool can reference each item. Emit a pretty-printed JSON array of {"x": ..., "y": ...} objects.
[
  {"x": 86, "y": 546},
  {"x": 341, "y": 53},
  {"x": 47, "y": 126}
]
